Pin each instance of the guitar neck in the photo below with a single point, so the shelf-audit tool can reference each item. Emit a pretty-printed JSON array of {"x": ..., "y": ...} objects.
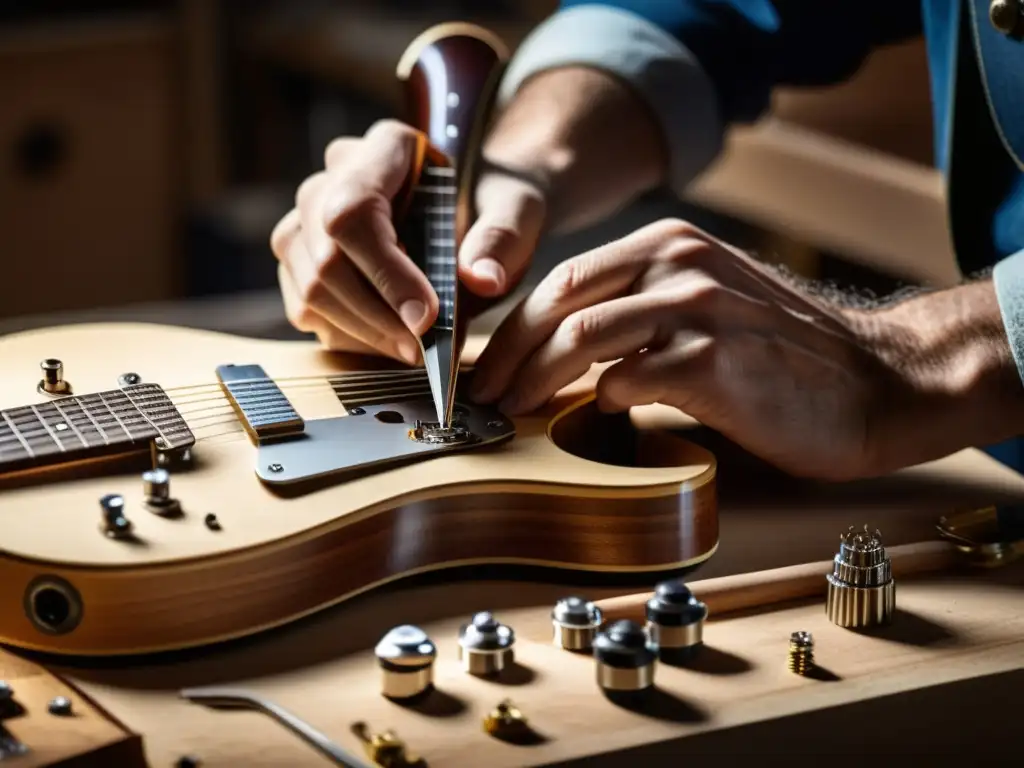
[{"x": 71, "y": 428}]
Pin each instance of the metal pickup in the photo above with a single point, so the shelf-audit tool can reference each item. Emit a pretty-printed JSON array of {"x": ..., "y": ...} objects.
[{"x": 263, "y": 408}]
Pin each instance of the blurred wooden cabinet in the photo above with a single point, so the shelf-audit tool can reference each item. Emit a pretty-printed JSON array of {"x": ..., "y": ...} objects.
[{"x": 89, "y": 164}]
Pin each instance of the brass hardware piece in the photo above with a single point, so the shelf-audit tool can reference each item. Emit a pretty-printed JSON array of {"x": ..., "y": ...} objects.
[
  {"x": 506, "y": 721},
  {"x": 861, "y": 591},
  {"x": 575, "y": 621},
  {"x": 434, "y": 433},
  {"x": 53, "y": 382},
  {"x": 385, "y": 749},
  {"x": 979, "y": 534},
  {"x": 801, "y": 653}
]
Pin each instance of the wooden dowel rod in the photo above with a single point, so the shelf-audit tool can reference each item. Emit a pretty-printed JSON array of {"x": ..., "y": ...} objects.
[{"x": 728, "y": 594}]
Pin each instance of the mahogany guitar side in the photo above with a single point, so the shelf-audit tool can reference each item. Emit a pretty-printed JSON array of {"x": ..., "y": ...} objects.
[{"x": 545, "y": 498}]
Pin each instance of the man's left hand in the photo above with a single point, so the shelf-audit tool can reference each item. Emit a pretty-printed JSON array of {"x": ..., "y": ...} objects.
[{"x": 698, "y": 325}]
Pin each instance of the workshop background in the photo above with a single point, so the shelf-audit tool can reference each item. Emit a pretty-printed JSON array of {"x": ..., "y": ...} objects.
[{"x": 148, "y": 147}]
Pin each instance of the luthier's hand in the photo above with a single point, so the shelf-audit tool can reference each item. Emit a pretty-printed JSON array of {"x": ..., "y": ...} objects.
[
  {"x": 816, "y": 390},
  {"x": 342, "y": 272}
]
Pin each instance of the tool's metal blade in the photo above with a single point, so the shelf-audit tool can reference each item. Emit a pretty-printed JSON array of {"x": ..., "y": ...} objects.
[{"x": 442, "y": 369}]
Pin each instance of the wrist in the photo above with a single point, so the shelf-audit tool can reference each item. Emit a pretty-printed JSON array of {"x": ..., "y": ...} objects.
[
  {"x": 583, "y": 139},
  {"x": 951, "y": 381}
]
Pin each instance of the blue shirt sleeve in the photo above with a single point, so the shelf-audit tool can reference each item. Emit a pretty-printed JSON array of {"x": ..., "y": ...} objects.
[
  {"x": 748, "y": 47},
  {"x": 701, "y": 65}
]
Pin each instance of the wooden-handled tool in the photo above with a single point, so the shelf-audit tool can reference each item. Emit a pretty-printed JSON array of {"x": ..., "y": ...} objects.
[{"x": 730, "y": 594}]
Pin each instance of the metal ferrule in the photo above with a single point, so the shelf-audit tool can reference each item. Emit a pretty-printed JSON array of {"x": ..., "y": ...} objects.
[
  {"x": 861, "y": 576},
  {"x": 406, "y": 683},
  {"x": 574, "y": 638},
  {"x": 481, "y": 662},
  {"x": 676, "y": 637},
  {"x": 853, "y": 607},
  {"x": 628, "y": 679}
]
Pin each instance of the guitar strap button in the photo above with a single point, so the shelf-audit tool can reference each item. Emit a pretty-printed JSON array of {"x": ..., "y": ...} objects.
[
  {"x": 406, "y": 657},
  {"x": 486, "y": 646},
  {"x": 675, "y": 621}
]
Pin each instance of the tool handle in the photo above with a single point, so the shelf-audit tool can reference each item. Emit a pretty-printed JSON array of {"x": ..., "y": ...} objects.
[{"x": 729, "y": 594}]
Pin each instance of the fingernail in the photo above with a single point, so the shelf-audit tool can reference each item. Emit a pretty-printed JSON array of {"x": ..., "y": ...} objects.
[
  {"x": 412, "y": 313},
  {"x": 490, "y": 270},
  {"x": 409, "y": 352}
]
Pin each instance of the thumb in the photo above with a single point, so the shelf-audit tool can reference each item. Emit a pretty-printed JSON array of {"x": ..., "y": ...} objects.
[{"x": 496, "y": 250}]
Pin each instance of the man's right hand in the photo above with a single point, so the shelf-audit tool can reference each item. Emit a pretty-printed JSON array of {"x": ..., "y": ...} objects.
[{"x": 343, "y": 273}]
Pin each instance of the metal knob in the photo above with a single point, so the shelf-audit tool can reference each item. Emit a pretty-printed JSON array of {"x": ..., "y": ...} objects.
[
  {"x": 486, "y": 646},
  {"x": 115, "y": 524},
  {"x": 156, "y": 486},
  {"x": 575, "y": 621},
  {"x": 1005, "y": 15},
  {"x": 626, "y": 658},
  {"x": 53, "y": 382},
  {"x": 861, "y": 590},
  {"x": 675, "y": 621},
  {"x": 406, "y": 656}
]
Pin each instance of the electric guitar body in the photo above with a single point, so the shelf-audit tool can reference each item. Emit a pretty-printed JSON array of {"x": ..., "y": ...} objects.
[
  {"x": 162, "y": 488},
  {"x": 288, "y": 479}
]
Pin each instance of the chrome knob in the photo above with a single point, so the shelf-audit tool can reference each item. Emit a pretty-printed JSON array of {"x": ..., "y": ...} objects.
[
  {"x": 406, "y": 657},
  {"x": 675, "y": 621},
  {"x": 486, "y": 646},
  {"x": 575, "y": 621},
  {"x": 115, "y": 524},
  {"x": 53, "y": 382},
  {"x": 156, "y": 486},
  {"x": 626, "y": 657},
  {"x": 861, "y": 590}
]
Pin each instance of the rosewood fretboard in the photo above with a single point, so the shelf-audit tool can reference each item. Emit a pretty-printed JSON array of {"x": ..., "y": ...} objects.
[{"x": 72, "y": 428}]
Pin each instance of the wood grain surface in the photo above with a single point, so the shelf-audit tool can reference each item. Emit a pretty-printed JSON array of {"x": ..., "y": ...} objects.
[{"x": 929, "y": 684}]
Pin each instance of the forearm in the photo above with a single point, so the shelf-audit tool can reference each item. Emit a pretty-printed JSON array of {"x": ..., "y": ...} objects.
[
  {"x": 952, "y": 345},
  {"x": 585, "y": 138}
]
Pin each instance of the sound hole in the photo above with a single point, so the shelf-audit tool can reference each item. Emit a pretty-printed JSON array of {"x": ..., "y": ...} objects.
[{"x": 616, "y": 439}]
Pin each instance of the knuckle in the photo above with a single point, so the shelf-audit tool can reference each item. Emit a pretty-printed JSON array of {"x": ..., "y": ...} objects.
[
  {"x": 383, "y": 279},
  {"x": 674, "y": 228},
  {"x": 308, "y": 189},
  {"x": 705, "y": 294},
  {"x": 566, "y": 278},
  {"x": 337, "y": 149},
  {"x": 580, "y": 327},
  {"x": 389, "y": 129},
  {"x": 346, "y": 209},
  {"x": 301, "y": 316},
  {"x": 312, "y": 294}
]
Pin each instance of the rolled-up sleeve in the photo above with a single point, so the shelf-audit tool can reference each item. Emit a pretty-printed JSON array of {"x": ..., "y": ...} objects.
[
  {"x": 1008, "y": 279},
  {"x": 659, "y": 67},
  {"x": 702, "y": 65}
]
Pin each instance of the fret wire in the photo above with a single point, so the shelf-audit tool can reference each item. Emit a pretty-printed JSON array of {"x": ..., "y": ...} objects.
[
  {"x": 85, "y": 409},
  {"x": 103, "y": 401},
  {"x": 18, "y": 434},
  {"x": 148, "y": 421},
  {"x": 70, "y": 423},
  {"x": 61, "y": 427},
  {"x": 53, "y": 435}
]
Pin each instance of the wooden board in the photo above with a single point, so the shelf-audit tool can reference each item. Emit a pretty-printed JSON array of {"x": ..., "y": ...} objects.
[
  {"x": 955, "y": 647},
  {"x": 89, "y": 737}
]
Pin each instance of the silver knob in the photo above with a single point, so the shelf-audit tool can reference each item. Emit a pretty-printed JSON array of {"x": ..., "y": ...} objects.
[
  {"x": 115, "y": 524},
  {"x": 156, "y": 485},
  {"x": 486, "y": 646},
  {"x": 575, "y": 621},
  {"x": 406, "y": 657}
]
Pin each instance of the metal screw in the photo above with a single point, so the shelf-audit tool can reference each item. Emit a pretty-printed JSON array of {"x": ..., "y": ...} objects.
[
  {"x": 801, "y": 653},
  {"x": 276, "y": 468},
  {"x": 60, "y": 706},
  {"x": 128, "y": 379},
  {"x": 356, "y": 411}
]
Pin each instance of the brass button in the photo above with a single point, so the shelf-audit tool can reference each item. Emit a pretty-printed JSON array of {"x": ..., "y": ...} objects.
[{"x": 1005, "y": 15}]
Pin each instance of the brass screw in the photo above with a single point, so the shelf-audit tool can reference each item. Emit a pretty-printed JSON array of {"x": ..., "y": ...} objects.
[
  {"x": 801, "y": 653},
  {"x": 504, "y": 719}
]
